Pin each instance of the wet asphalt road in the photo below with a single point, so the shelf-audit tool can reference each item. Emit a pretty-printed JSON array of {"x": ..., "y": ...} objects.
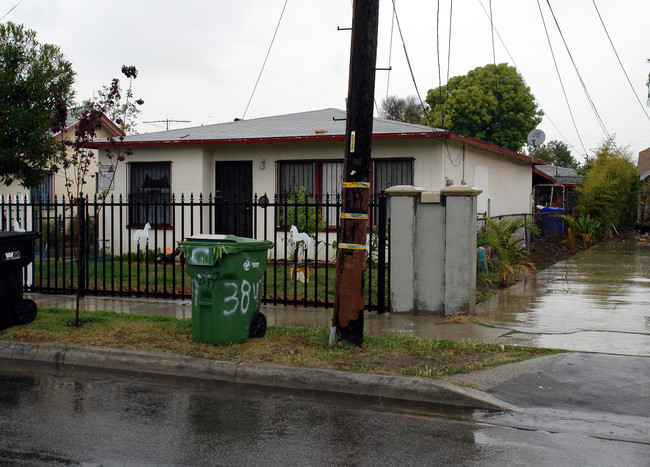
[{"x": 54, "y": 417}]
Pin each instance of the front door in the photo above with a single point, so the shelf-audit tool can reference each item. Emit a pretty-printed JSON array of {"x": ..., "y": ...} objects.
[{"x": 234, "y": 198}]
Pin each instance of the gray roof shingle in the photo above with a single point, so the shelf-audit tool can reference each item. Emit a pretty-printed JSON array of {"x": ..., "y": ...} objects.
[{"x": 297, "y": 125}]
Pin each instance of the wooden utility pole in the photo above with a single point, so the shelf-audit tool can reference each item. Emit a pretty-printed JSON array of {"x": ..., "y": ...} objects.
[{"x": 347, "y": 322}]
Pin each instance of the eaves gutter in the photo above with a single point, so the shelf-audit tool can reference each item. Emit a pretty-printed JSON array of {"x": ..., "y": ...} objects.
[
  {"x": 493, "y": 148},
  {"x": 543, "y": 175},
  {"x": 263, "y": 140},
  {"x": 440, "y": 135}
]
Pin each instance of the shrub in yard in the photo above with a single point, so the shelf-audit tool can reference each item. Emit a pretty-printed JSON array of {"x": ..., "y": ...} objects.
[
  {"x": 506, "y": 252},
  {"x": 606, "y": 193}
]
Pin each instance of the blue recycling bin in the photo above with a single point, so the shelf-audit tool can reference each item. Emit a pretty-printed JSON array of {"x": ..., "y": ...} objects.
[{"x": 553, "y": 223}]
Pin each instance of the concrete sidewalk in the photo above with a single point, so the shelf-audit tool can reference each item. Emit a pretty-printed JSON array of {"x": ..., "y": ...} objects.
[{"x": 280, "y": 315}]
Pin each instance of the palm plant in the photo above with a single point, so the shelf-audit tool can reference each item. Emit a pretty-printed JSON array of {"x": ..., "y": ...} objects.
[
  {"x": 587, "y": 228},
  {"x": 573, "y": 230},
  {"x": 584, "y": 227},
  {"x": 505, "y": 250}
]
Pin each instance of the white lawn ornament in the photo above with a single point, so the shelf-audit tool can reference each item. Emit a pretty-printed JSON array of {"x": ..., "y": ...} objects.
[
  {"x": 302, "y": 273},
  {"x": 300, "y": 237},
  {"x": 142, "y": 234}
]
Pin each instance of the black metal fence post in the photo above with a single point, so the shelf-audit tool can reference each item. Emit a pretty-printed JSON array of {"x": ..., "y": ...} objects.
[{"x": 382, "y": 224}]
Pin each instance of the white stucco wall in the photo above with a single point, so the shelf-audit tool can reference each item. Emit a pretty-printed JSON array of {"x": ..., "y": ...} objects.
[{"x": 505, "y": 181}]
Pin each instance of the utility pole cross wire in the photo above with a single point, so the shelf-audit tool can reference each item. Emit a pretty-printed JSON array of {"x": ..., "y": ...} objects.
[{"x": 347, "y": 322}]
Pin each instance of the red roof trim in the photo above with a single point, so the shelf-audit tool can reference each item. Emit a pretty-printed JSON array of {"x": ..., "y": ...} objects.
[
  {"x": 491, "y": 147},
  {"x": 322, "y": 138},
  {"x": 105, "y": 121},
  {"x": 536, "y": 171}
]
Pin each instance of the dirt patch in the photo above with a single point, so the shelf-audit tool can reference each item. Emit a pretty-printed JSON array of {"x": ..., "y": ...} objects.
[
  {"x": 625, "y": 236},
  {"x": 549, "y": 250}
]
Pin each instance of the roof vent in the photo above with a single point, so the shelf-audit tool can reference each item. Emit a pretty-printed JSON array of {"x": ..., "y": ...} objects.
[{"x": 319, "y": 129}]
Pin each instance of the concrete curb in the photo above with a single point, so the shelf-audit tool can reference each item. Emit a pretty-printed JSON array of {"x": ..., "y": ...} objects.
[{"x": 412, "y": 389}]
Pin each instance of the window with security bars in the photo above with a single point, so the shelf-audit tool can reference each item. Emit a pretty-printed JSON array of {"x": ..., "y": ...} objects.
[
  {"x": 392, "y": 172},
  {"x": 294, "y": 175},
  {"x": 388, "y": 173},
  {"x": 322, "y": 179},
  {"x": 42, "y": 194},
  {"x": 150, "y": 194}
]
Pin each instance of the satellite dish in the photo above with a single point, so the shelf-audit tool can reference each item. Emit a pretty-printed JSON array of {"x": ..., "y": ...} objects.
[{"x": 536, "y": 137}]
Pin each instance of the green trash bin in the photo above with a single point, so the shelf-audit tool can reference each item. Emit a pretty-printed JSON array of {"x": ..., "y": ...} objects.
[{"x": 226, "y": 274}]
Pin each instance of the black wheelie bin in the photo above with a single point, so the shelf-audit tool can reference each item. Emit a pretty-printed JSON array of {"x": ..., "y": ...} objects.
[{"x": 16, "y": 252}]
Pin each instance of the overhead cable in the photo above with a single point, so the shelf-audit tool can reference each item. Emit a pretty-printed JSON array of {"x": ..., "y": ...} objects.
[
  {"x": 451, "y": 14},
  {"x": 575, "y": 67},
  {"x": 566, "y": 99},
  {"x": 265, "y": 59},
  {"x": 390, "y": 53},
  {"x": 12, "y": 9},
  {"x": 514, "y": 63},
  {"x": 620, "y": 62},
  {"x": 408, "y": 62}
]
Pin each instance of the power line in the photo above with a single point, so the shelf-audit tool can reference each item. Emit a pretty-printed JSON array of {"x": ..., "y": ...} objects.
[
  {"x": 514, "y": 63},
  {"x": 12, "y": 9},
  {"x": 566, "y": 99},
  {"x": 442, "y": 112},
  {"x": 496, "y": 70},
  {"x": 620, "y": 62},
  {"x": 451, "y": 11},
  {"x": 390, "y": 53},
  {"x": 408, "y": 62},
  {"x": 265, "y": 58},
  {"x": 575, "y": 67}
]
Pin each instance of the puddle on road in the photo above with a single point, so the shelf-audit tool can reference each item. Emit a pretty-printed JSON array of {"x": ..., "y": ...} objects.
[{"x": 594, "y": 424}]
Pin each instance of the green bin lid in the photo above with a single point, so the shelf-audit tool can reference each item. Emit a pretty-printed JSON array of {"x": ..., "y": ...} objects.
[{"x": 207, "y": 249}]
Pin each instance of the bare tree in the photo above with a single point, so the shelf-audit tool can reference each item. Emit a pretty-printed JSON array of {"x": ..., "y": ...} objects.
[
  {"x": 403, "y": 109},
  {"x": 76, "y": 156}
]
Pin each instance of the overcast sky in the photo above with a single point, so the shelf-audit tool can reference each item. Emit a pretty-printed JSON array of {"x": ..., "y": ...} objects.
[{"x": 198, "y": 60}]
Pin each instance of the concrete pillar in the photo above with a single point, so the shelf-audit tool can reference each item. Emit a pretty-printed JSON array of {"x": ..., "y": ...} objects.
[
  {"x": 402, "y": 205},
  {"x": 460, "y": 251},
  {"x": 433, "y": 250}
]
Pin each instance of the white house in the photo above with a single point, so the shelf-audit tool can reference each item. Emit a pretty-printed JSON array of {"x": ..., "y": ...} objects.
[
  {"x": 273, "y": 155},
  {"x": 55, "y": 185}
]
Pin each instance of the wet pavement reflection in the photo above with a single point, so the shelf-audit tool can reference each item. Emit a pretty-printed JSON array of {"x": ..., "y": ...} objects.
[
  {"x": 53, "y": 417},
  {"x": 598, "y": 301}
]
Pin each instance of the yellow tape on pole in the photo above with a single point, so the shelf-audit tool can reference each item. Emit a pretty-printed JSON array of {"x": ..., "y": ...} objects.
[
  {"x": 356, "y": 184},
  {"x": 351, "y": 246},
  {"x": 351, "y": 215}
]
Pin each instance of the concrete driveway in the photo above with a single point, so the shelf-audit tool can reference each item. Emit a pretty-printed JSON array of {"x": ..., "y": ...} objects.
[{"x": 596, "y": 301}]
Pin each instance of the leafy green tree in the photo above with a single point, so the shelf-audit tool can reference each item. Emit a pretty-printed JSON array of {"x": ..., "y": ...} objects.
[
  {"x": 33, "y": 78},
  {"x": 606, "y": 193},
  {"x": 555, "y": 152},
  {"x": 491, "y": 103},
  {"x": 402, "y": 109}
]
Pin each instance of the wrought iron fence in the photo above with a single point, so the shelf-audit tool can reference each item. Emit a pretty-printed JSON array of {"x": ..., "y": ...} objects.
[{"x": 117, "y": 264}]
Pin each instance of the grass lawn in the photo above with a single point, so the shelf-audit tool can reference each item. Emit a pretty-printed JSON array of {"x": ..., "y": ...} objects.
[{"x": 297, "y": 346}]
